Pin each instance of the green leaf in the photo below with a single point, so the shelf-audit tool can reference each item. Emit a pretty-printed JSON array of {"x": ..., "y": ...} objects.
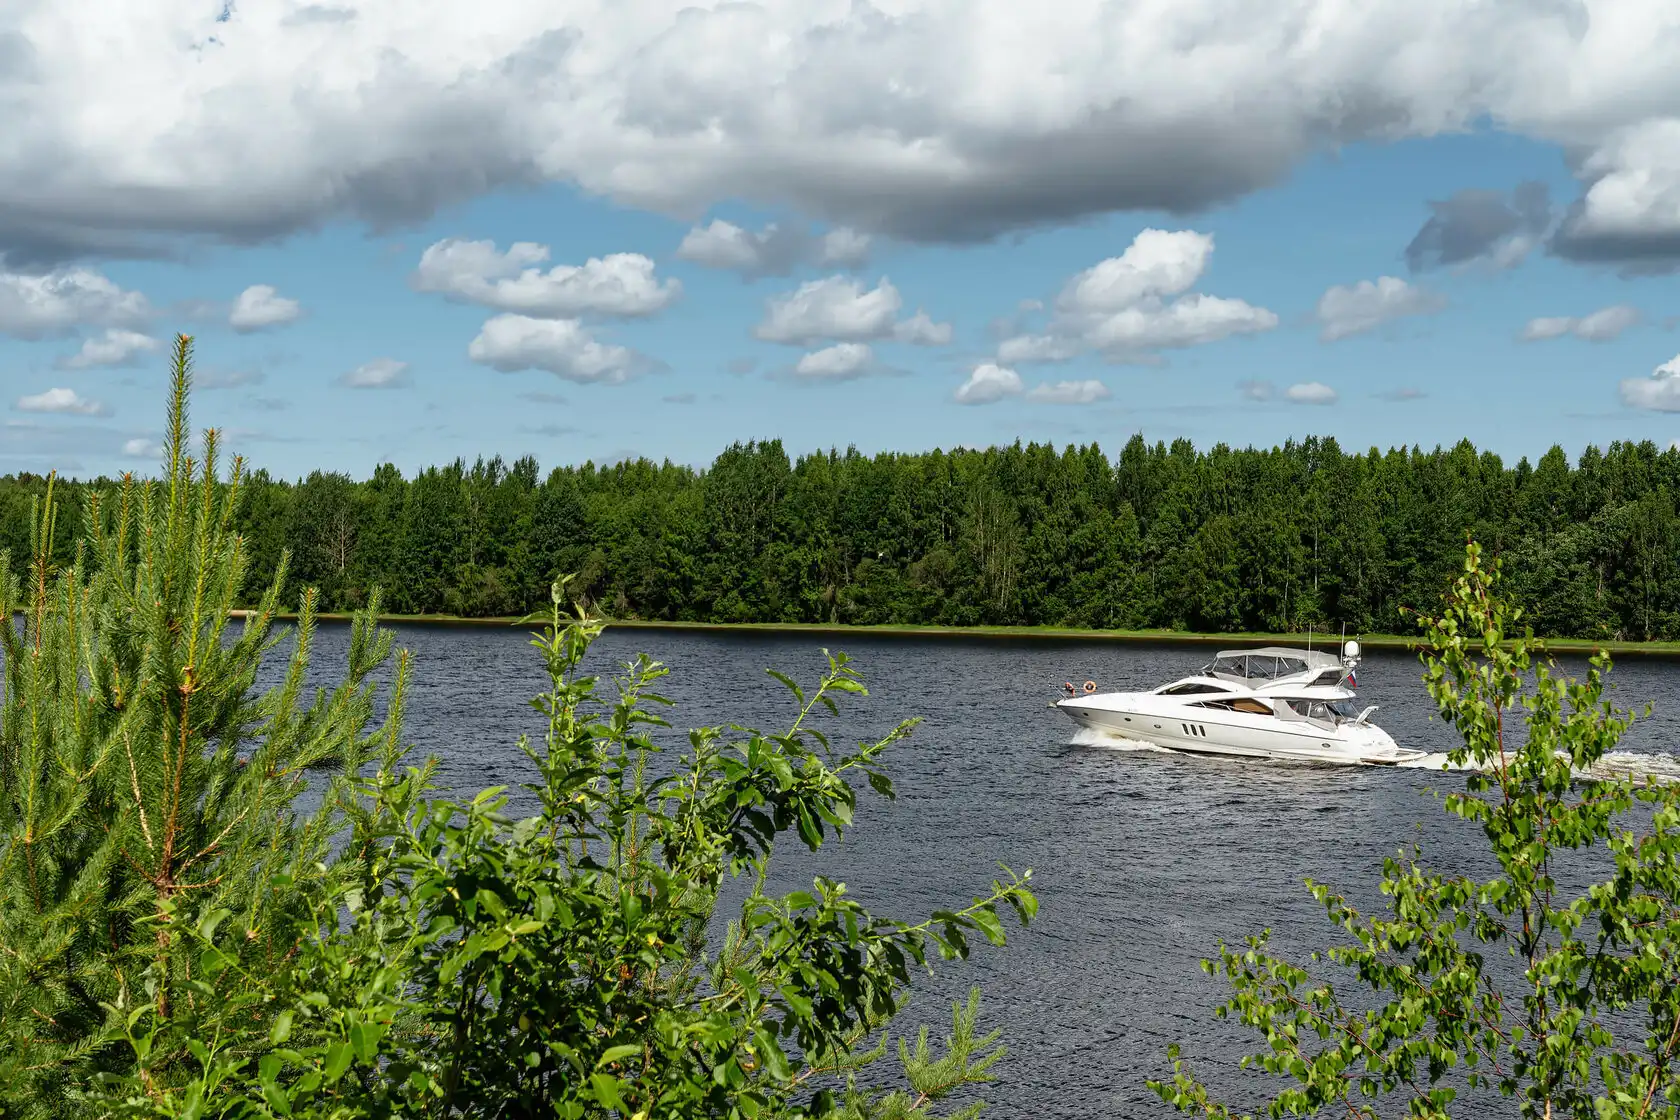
[
  {"x": 607, "y": 1090},
  {"x": 618, "y": 1053}
]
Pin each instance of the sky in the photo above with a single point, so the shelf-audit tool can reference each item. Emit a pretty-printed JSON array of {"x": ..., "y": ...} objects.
[{"x": 591, "y": 229}]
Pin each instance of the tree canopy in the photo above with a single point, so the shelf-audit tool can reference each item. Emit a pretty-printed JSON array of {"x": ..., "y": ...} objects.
[{"x": 1276, "y": 539}]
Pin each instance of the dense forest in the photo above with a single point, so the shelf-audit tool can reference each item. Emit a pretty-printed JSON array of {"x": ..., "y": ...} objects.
[{"x": 1162, "y": 536}]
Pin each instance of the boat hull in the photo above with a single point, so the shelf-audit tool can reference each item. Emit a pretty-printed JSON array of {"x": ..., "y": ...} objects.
[{"x": 1144, "y": 717}]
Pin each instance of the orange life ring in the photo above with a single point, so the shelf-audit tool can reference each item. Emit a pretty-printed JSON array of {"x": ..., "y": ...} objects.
[{"x": 1090, "y": 687}]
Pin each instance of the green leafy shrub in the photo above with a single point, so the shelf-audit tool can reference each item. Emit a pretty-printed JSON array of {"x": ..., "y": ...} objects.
[
  {"x": 563, "y": 965},
  {"x": 1583, "y": 1019}
]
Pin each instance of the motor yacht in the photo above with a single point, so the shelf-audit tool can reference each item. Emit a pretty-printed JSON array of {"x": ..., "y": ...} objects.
[{"x": 1270, "y": 703}]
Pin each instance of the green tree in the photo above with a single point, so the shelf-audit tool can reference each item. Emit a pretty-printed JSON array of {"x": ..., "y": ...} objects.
[
  {"x": 144, "y": 779},
  {"x": 1563, "y": 998}
]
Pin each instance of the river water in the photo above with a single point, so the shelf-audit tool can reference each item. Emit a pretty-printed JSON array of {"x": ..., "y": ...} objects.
[{"x": 1142, "y": 860}]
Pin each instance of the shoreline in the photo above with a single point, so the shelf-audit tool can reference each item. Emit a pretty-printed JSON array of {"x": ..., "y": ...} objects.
[{"x": 1003, "y": 633}]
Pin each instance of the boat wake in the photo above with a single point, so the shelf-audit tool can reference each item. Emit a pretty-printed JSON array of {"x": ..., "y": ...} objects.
[
  {"x": 1663, "y": 768},
  {"x": 1112, "y": 741}
]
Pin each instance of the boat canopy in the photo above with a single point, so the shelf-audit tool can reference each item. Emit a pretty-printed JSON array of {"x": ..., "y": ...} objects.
[{"x": 1268, "y": 663}]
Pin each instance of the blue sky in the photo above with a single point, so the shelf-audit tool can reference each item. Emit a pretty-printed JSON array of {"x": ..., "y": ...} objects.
[{"x": 1179, "y": 291}]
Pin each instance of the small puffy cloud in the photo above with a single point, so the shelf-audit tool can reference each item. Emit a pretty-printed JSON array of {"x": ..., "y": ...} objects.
[
  {"x": 989, "y": 383},
  {"x": 776, "y": 250},
  {"x": 1025, "y": 348},
  {"x": 843, "y": 361},
  {"x": 1310, "y": 392},
  {"x": 1131, "y": 306},
  {"x": 115, "y": 347},
  {"x": 1346, "y": 310},
  {"x": 1158, "y": 262},
  {"x": 38, "y": 305},
  {"x": 1659, "y": 392},
  {"x": 1069, "y": 392},
  {"x": 1257, "y": 390},
  {"x": 842, "y": 310},
  {"x": 1480, "y": 226},
  {"x": 1602, "y": 325},
  {"x": 1194, "y": 320},
  {"x": 142, "y": 448},
  {"x": 260, "y": 307},
  {"x": 620, "y": 285},
  {"x": 381, "y": 373},
  {"x": 563, "y": 347},
  {"x": 65, "y": 401},
  {"x": 921, "y": 330}
]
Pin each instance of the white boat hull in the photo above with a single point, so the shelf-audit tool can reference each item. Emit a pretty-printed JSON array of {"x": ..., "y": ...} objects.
[{"x": 1159, "y": 721}]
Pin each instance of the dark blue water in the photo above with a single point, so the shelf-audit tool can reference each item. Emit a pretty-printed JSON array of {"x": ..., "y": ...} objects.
[{"x": 1143, "y": 861}]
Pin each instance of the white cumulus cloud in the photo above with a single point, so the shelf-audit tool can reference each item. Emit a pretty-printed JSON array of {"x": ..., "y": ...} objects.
[
  {"x": 776, "y": 250},
  {"x": 37, "y": 305},
  {"x": 988, "y": 383},
  {"x": 1069, "y": 392},
  {"x": 1131, "y": 306},
  {"x": 66, "y": 401},
  {"x": 840, "y": 309},
  {"x": 619, "y": 284},
  {"x": 142, "y": 448},
  {"x": 114, "y": 347},
  {"x": 1601, "y": 326},
  {"x": 843, "y": 361},
  {"x": 921, "y": 330},
  {"x": 563, "y": 347},
  {"x": 1660, "y": 392},
  {"x": 1346, "y": 310},
  {"x": 1310, "y": 392},
  {"x": 381, "y": 373},
  {"x": 260, "y": 306}
]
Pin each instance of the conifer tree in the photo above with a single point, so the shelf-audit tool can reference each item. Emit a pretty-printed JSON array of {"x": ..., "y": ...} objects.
[{"x": 146, "y": 782}]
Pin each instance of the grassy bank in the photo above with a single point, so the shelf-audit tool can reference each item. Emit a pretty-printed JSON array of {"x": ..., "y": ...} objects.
[{"x": 1026, "y": 633}]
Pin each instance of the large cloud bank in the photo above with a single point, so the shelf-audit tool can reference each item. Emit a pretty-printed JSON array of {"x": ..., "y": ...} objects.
[{"x": 930, "y": 120}]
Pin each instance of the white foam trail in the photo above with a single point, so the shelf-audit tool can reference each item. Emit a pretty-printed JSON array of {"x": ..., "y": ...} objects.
[
  {"x": 1113, "y": 741},
  {"x": 1430, "y": 762},
  {"x": 1617, "y": 764}
]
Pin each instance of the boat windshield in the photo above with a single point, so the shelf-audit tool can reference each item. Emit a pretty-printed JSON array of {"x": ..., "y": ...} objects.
[{"x": 1330, "y": 711}]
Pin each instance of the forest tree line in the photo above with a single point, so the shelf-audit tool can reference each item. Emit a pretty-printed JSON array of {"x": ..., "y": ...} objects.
[{"x": 1162, "y": 536}]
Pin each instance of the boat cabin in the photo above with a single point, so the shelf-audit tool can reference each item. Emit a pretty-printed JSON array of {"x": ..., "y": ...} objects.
[{"x": 1275, "y": 663}]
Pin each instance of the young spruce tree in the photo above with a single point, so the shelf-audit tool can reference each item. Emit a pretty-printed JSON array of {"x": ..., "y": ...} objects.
[{"x": 145, "y": 780}]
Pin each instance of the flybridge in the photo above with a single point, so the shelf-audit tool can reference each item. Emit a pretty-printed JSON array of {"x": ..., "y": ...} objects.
[{"x": 1270, "y": 663}]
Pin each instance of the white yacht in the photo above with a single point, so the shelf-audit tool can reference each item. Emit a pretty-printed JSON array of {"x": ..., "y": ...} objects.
[{"x": 1272, "y": 703}]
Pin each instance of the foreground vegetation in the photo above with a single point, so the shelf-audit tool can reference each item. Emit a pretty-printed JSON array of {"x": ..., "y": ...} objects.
[
  {"x": 1559, "y": 994},
  {"x": 181, "y": 937},
  {"x": 1278, "y": 540}
]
